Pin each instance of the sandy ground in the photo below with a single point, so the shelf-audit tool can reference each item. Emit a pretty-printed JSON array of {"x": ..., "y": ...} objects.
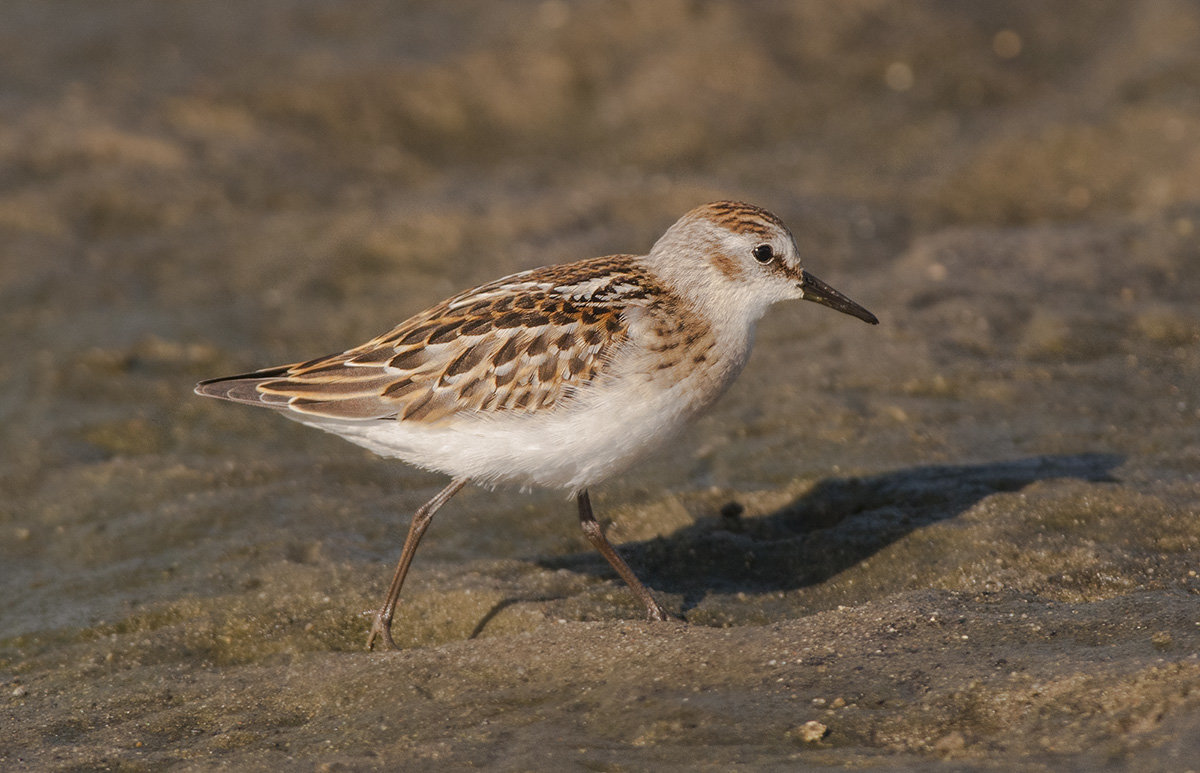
[{"x": 966, "y": 539}]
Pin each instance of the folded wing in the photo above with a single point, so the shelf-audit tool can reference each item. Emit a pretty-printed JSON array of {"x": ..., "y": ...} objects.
[{"x": 523, "y": 343}]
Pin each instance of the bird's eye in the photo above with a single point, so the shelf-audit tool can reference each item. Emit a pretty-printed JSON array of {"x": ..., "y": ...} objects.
[{"x": 763, "y": 253}]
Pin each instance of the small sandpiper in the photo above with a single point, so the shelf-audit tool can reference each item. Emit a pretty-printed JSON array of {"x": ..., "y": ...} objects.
[{"x": 559, "y": 376}]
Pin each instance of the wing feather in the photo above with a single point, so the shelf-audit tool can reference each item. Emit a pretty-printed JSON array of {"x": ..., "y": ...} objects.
[{"x": 523, "y": 343}]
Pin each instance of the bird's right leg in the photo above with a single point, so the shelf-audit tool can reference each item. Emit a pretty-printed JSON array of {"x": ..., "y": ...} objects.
[{"x": 595, "y": 535}]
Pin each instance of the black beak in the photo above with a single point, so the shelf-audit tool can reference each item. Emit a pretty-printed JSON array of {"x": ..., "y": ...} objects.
[{"x": 815, "y": 290}]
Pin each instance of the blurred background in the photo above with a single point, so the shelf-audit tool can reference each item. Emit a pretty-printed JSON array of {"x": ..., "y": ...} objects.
[{"x": 192, "y": 189}]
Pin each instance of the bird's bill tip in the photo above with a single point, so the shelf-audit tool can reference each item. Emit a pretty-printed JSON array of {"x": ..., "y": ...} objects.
[{"x": 813, "y": 289}]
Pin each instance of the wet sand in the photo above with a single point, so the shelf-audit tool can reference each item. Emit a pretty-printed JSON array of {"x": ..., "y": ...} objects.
[{"x": 966, "y": 539}]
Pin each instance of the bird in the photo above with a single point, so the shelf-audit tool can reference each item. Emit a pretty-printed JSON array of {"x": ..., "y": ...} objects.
[{"x": 556, "y": 377}]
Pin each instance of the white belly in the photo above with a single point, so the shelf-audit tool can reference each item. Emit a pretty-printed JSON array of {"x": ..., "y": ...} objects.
[
  {"x": 562, "y": 449},
  {"x": 598, "y": 435}
]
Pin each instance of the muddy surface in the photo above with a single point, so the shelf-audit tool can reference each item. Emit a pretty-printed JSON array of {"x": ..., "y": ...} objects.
[{"x": 968, "y": 538}]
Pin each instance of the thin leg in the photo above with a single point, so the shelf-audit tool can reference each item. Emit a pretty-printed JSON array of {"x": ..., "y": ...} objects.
[
  {"x": 420, "y": 522},
  {"x": 595, "y": 535}
]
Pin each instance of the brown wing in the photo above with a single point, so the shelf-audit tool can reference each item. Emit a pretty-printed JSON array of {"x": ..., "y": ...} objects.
[{"x": 523, "y": 343}]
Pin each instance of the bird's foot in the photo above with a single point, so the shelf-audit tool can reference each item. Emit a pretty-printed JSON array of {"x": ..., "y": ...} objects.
[
  {"x": 657, "y": 614},
  {"x": 381, "y": 629}
]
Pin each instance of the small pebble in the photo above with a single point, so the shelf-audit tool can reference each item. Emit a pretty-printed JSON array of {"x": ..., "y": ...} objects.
[
  {"x": 951, "y": 742},
  {"x": 811, "y": 731}
]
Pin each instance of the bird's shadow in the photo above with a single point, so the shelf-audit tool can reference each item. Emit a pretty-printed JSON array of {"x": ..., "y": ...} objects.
[{"x": 836, "y": 524}]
